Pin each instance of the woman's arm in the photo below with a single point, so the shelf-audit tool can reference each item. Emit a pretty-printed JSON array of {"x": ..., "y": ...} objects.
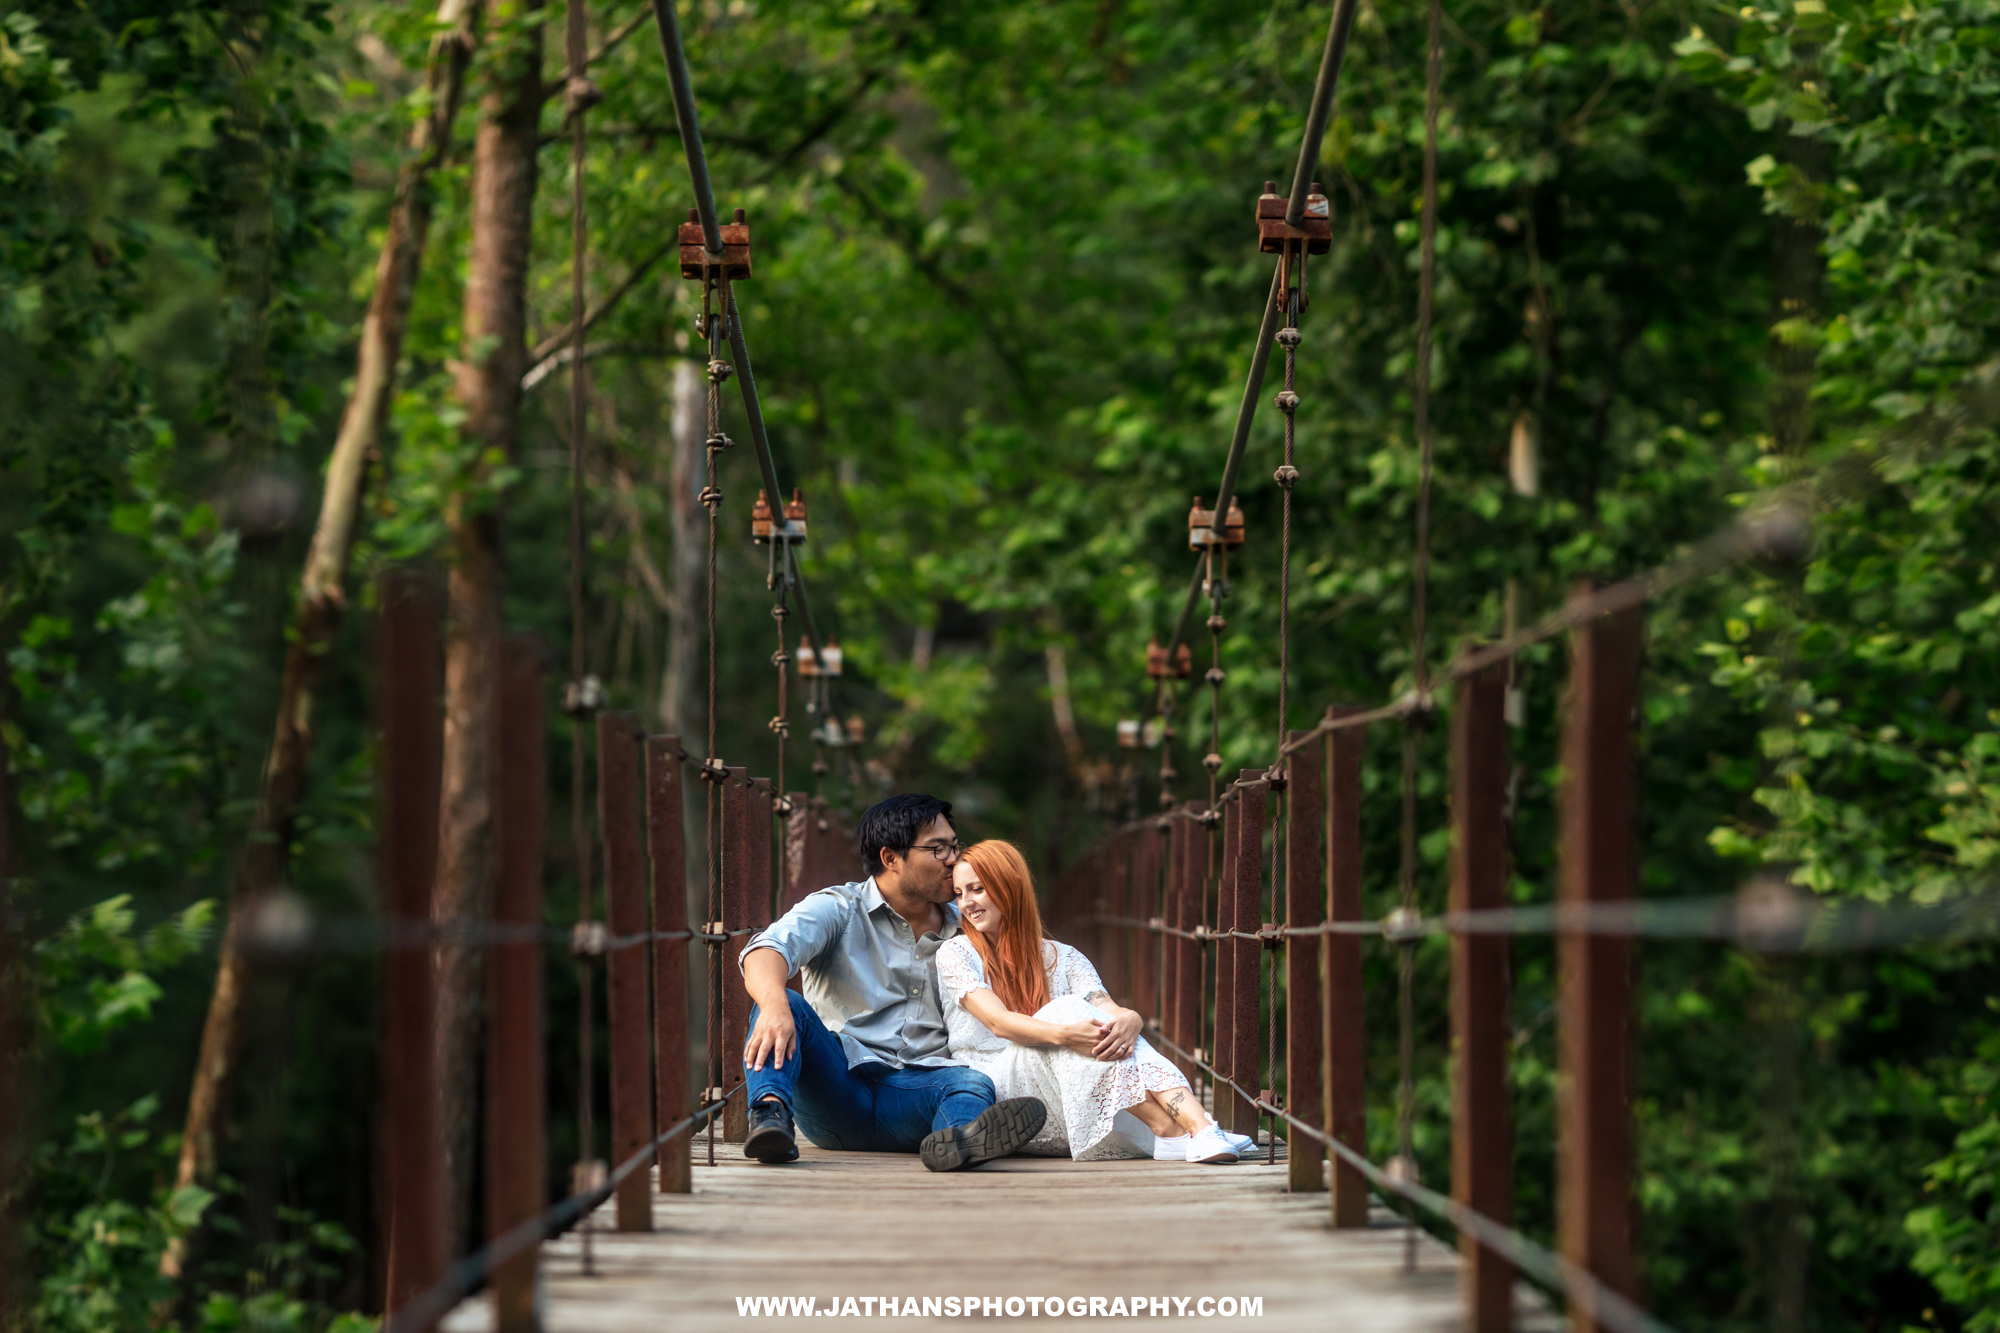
[
  {"x": 1117, "y": 1038},
  {"x": 1004, "y": 1023}
]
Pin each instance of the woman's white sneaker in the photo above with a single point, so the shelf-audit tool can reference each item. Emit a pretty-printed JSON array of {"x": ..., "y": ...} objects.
[
  {"x": 1170, "y": 1150},
  {"x": 1210, "y": 1146},
  {"x": 1244, "y": 1144}
]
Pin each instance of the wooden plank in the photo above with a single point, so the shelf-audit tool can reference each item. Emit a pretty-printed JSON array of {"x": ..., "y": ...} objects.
[{"x": 1023, "y": 1227}]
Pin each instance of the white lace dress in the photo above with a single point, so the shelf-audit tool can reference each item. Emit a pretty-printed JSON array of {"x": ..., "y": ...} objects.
[{"x": 1084, "y": 1096}]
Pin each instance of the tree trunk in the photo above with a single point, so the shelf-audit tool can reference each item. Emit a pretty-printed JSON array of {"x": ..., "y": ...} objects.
[
  {"x": 681, "y": 710},
  {"x": 489, "y": 389},
  {"x": 680, "y": 699},
  {"x": 316, "y": 619}
]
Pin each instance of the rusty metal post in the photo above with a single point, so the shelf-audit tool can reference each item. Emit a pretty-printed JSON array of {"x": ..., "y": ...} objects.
[
  {"x": 1223, "y": 1058},
  {"x": 1247, "y": 884},
  {"x": 666, "y": 847},
  {"x": 1305, "y": 906},
  {"x": 738, "y": 905},
  {"x": 516, "y": 1088},
  {"x": 763, "y": 820},
  {"x": 408, "y": 682},
  {"x": 1117, "y": 936},
  {"x": 1146, "y": 907},
  {"x": 630, "y": 1037},
  {"x": 1594, "y": 1201},
  {"x": 1342, "y": 994},
  {"x": 1192, "y": 869},
  {"x": 801, "y": 835},
  {"x": 1482, "y": 1174}
]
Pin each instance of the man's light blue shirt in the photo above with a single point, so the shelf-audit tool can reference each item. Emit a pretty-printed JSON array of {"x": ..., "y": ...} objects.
[{"x": 870, "y": 979}]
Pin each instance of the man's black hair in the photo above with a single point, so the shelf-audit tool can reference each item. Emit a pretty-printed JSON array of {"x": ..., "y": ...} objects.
[{"x": 895, "y": 824}]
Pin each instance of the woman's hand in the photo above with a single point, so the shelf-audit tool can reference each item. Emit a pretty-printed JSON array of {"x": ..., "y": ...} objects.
[
  {"x": 1118, "y": 1038},
  {"x": 1083, "y": 1038}
]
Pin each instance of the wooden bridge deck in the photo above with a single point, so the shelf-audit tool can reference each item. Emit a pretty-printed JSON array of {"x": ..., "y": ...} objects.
[{"x": 862, "y": 1224}]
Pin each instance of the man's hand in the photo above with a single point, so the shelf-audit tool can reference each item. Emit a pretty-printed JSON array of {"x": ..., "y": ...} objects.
[
  {"x": 775, "y": 1036},
  {"x": 1081, "y": 1037},
  {"x": 1119, "y": 1037}
]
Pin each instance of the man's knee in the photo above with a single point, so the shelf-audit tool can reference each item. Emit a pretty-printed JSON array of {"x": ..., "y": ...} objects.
[{"x": 970, "y": 1082}]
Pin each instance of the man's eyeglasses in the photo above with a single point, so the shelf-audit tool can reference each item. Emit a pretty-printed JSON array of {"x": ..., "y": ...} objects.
[{"x": 946, "y": 852}]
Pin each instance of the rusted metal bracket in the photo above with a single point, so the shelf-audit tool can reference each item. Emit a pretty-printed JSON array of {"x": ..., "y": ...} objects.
[
  {"x": 1201, "y": 527},
  {"x": 1159, "y": 669},
  {"x": 764, "y": 527},
  {"x": 734, "y": 263},
  {"x": 1315, "y": 229}
]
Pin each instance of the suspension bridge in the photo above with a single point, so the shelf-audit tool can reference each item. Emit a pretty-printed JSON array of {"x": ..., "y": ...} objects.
[{"x": 1231, "y": 920}]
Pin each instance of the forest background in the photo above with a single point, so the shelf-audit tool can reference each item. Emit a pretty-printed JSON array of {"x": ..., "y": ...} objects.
[{"x": 1004, "y": 296}]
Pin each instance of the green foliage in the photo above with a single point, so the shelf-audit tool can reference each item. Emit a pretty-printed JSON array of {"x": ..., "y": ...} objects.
[
  {"x": 97, "y": 1254},
  {"x": 1958, "y": 1240},
  {"x": 94, "y": 974}
]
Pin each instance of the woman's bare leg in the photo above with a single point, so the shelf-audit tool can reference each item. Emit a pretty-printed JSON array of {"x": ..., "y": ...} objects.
[
  {"x": 1183, "y": 1108},
  {"x": 1156, "y": 1117}
]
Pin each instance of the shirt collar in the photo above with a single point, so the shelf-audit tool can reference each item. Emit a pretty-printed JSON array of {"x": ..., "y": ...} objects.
[{"x": 871, "y": 899}]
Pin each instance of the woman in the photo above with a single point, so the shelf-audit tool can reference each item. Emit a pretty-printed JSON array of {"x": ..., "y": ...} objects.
[{"x": 1031, "y": 1014}]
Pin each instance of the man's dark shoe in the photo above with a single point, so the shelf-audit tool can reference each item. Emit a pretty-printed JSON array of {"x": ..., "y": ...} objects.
[
  {"x": 771, "y": 1140},
  {"x": 1001, "y": 1129}
]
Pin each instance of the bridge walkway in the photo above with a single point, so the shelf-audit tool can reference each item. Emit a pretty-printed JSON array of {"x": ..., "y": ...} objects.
[{"x": 837, "y": 1225}]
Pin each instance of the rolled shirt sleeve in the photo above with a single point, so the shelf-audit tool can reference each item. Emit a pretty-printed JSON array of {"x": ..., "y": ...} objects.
[{"x": 803, "y": 935}]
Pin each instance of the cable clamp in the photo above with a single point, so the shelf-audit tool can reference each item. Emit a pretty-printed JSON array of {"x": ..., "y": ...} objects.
[
  {"x": 780, "y": 727},
  {"x": 583, "y": 698},
  {"x": 714, "y": 770},
  {"x": 711, "y": 496},
  {"x": 719, "y": 371},
  {"x": 588, "y": 938},
  {"x": 1405, "y": 925},
  {"x": 782, "y": 805},
  {"x": 580, "y": 94},
  {"x": 719, "y": 441},
  {"x": 1286, "y": 476}
]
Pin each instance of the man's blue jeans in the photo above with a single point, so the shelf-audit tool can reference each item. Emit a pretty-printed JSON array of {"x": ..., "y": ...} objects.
[{"x": 872, "y": 1107}]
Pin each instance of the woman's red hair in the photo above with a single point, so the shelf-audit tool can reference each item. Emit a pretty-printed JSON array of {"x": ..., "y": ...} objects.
[{"x": 1013, "y": 956}]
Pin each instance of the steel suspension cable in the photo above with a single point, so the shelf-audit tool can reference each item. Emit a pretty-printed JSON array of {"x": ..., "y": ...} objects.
[
  {"x": 1413, "y": 722},
  {"x": 584, "y": 700},
  {"x": 711, "y": 498}
]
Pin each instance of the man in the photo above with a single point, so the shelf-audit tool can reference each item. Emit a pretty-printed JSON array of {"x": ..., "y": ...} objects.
[{"x": 860, "y": 1061}]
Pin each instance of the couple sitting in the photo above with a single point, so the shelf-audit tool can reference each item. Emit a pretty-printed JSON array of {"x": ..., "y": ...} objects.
[{"x": 916, "y": 1035}]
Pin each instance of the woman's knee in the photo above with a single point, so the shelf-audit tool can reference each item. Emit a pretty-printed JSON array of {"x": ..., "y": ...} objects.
[{"x": 1066, "y": 1009}]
